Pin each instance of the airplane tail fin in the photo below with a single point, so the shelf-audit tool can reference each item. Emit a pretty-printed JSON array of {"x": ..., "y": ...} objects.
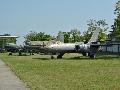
[{"x": 94, "y": 37}]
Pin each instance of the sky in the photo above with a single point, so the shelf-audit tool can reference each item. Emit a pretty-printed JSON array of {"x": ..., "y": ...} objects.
[{"x": 19, "y": 17}]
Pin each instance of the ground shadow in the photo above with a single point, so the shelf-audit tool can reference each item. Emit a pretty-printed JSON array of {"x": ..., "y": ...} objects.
[
  {"x": 98, "y": 57},
  {"x": 42, "y": 58}
]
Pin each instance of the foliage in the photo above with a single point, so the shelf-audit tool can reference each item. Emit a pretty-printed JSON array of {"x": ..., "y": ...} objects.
[
  {"x": 116, "y": 27},
  {"x": 34, "y": 36},
  {"x": 66, "y": 37},
  {"x": 117, "y": 9},
  {"x": 92, "y": 26},
  {"x": 70, "y": 73},
  {"x": 73, "y": 36}
]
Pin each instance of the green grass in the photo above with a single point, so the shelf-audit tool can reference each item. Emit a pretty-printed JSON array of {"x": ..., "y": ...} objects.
[{"x": 72, "y": 72}]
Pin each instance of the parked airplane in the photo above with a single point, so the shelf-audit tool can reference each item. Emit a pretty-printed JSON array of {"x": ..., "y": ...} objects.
[
  {"x": 60, "y": 49},
  {"x": 11, "y": 47},
  {"x": 14, "y": 48}
]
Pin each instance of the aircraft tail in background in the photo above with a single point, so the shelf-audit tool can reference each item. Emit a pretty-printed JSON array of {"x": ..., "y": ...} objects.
[{"x": 95, "y": 35}]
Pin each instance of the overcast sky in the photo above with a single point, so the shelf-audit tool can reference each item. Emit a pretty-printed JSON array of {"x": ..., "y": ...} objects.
[{"x": 19, "y": 17}]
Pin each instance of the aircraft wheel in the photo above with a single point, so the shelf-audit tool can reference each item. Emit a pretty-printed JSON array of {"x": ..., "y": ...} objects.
[
  {"x": 59, "y": 57},
  {"x": 10, "y": 54},
  {"x": 52, "y": 57},
  {"x": 92, "y": 56},
  {"x": 84, "y": 54},
  {"x": 88, "y": 54},
  {"x": 20, "y": 53}
]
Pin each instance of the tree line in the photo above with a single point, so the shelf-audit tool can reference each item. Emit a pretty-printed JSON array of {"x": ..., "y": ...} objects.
[
  {"x": 73, "y": 35},
  {"x": 34, "y": 36}
]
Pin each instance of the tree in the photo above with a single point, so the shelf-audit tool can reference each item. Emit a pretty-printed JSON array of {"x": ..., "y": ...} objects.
[
  {"x": 116, "y": 27},
  {"x": 66, "y": 37},
  {"x": 92, "y": 26},
  {"x": 73, "y": 36},
  {"x": 34, "y": 36},
  {"x": 117, "y": 9},
  {"x": 76, "y": 35}
]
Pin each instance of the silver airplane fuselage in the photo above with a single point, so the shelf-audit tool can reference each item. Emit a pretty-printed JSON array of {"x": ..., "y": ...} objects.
[{"x": 68, "y": 48}]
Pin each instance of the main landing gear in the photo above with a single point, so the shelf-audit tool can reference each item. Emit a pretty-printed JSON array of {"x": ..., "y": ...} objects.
[
  {"x": 92, "y": 56},
  {"x": 84, "y": 54},
  {"x": 52, "y": 57},
  {"x": 58, "y": 57}
]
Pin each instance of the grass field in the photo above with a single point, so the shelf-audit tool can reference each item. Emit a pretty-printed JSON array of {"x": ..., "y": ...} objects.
[{"x": 72, "y": 72}]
